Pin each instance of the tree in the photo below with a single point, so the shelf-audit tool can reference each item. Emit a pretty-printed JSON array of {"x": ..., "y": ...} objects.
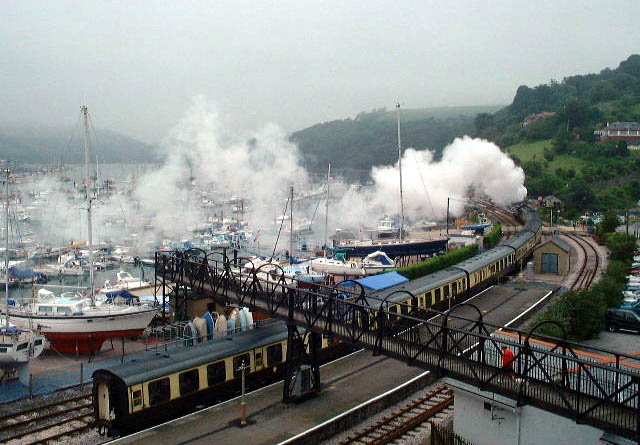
[{"x": 609, "y": 223}]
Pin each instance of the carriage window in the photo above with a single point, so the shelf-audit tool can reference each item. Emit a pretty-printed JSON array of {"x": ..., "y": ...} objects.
[
  {"x": 189, "y": 381},
  {"x": 446, "y": 291},
  {"x": 454, "y": 287},
  {"x": 159, "y": 391},
  {"x": 257, "y": 356},
  {"x": 237, "y": 363},
  {"x": 274, "y": 354},
  {"x": 404, "y": 308},
  {"x": 216, "y": 373},
  {"x": 137, "y": 398},
  {"x": 414, "y": 302},
  {"x": 436, "y": 298}
]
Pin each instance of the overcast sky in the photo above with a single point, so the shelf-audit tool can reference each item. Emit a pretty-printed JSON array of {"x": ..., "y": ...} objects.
[{"x": 138, "y": 64}]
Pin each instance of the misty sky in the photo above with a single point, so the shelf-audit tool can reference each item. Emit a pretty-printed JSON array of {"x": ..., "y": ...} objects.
[{"x": 139, "y": 64}]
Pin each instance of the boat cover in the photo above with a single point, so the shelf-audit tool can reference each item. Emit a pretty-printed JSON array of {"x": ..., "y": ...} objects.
[
  {"x": 379, "y": 282},
  {"x": 20, "y": 274}
]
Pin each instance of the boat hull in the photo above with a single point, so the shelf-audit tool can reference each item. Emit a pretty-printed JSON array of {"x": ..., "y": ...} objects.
[{"x": 85, "y": 334}]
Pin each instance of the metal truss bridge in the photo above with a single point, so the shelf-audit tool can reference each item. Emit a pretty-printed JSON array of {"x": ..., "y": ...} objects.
[{"x": 591, "y": 386}]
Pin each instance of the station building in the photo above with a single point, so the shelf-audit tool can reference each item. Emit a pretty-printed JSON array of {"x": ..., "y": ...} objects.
[{"x": 553, "y": 256}]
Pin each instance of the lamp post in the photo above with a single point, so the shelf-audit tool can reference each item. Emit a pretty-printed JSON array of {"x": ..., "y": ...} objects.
[{"x": 243, "y": 404}]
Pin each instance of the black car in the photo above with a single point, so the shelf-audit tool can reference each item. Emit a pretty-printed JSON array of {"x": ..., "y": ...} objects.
[{"x": 622, "y": 319}]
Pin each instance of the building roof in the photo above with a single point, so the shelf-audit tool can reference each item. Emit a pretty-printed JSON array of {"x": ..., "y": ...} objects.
[
  {"x": 558, "y": 242},
  {"x": 622, "y": 126},
  {"x": 382, "y": 281}
]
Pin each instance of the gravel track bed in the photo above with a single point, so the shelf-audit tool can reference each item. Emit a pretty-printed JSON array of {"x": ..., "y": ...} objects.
[{"x": 417, "y": 436}]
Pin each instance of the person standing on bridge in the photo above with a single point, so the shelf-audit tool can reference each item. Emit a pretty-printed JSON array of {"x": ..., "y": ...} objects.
[{"x": 507, "y": 362}]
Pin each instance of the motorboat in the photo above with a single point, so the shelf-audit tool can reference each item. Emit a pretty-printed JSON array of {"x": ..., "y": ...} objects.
[{"x": 125, "y": 281}]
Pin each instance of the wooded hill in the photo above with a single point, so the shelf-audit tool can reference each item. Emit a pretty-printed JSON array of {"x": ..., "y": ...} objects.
[
  {"x": 371, "y": 137},
  {"x": 41, "y": 145},
  {"x": 559, "y": 153}
]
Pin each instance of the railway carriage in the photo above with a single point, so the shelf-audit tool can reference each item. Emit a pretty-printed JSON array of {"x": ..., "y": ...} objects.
[
  {"x": 136, "y": 394},
  {"x": 455, "y": 283}
]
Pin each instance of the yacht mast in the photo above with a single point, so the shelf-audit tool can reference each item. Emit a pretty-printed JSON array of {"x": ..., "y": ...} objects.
[
  {"x": 326, "y": 214},
  {"x": 291, "y": 225},
  {"x": 87, "y": 170},
  {"x": 400, "y": 169},
  {"x": 6, "y": 245}
]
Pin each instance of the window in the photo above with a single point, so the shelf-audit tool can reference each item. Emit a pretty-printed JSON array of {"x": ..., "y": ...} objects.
[
  {"x": 189, "y": 381},
  {"x": 446, "y": 291},
  {"x": 237, "y": 363},
  {"x": 136, "y": 397},
  {"x": 216, "y": 373},
  {"x": 454, "y": 287},
  {"x": 404, "y": 307},
  {"x": 436, "y": 297},
  {"x": 64, "y": 310},
  {"x": 430, "y": 298},
  {"x": 38, "y": 342},
  {"x": 257, "y": 357},
  {"x": 45, "y": 310},
  {"x": 22, "y": 346},
  {"x": 274, "y": 354},
  {"x": 159, "y": 391},
  {"x": 3, "y": 350}
]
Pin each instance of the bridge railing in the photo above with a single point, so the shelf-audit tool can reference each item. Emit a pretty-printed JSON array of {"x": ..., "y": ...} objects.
[{"x": 590, "y": 385}]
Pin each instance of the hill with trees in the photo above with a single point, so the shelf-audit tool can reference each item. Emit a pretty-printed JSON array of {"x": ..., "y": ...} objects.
[
  {"x": 371, "y": 137},
  {"x": 559, "y": 152},
  {"x": 41, "y": 145}
]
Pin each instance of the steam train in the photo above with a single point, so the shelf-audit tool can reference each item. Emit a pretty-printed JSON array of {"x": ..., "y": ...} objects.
[
  {"x": 456, "y": 283},
  {"x": 137, "y": 394},
  {"x": 130, "y": 396}
]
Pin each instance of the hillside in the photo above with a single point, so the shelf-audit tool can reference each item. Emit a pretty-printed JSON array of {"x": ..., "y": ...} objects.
[
  {"x": 559, "y": 152},
  {"x": 371, "y": 138},
  {"x": 46, "y": 145}
]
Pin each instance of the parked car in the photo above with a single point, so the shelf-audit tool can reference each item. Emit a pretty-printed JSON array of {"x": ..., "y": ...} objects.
[
  {"x": 625, "y": 319},
  {"x": 633, "y": 306}
]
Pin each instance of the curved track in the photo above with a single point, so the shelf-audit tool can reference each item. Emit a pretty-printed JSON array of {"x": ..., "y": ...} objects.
[
  {"x": 404, "y": 420},
  {"x": 590, "y": 263},
  {"x": 65, "y": 418}
]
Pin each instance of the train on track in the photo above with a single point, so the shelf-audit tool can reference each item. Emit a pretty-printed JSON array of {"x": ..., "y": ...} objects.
[
  {"x": 137, "y": 394},
  {"x": 456, "y": 283},
  {"x": 130, "y": 396}
]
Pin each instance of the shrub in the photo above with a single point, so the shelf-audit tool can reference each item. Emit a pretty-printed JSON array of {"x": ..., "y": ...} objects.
[{"x": 438, "y": 263}]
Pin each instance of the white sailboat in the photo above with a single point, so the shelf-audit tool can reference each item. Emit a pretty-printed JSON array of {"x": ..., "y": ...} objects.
[
  {"x": 17, "y": 346},
  {"x": 78, "y": 324}
]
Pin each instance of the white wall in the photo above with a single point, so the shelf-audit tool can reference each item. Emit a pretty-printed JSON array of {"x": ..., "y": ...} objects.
[{"x": 505, "y": 423}]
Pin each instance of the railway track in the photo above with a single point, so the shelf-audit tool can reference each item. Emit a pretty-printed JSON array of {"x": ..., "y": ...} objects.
[
  {"x": 48, "y": 423},
  {"x": 401, "y": 422},
  {"x": 590, "y": 265}
]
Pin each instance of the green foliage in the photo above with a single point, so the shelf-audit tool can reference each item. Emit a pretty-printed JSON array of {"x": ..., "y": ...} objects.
[
  {"x": 493, "y": 238},
  {"x": 621, "y": 246},
  {"x": 441, "y": 262},
  {"x": 608, "y": 224}
]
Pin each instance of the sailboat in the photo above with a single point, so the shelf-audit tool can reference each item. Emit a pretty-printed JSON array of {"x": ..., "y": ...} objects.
[
  {"x": 17, "y": 346},
  {"x": 79, "y": 324}
]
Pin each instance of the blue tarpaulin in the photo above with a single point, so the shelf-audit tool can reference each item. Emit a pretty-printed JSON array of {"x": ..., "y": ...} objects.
[
  {"x": 20, "y": 274},
  {"x": 382, "y": 281}
]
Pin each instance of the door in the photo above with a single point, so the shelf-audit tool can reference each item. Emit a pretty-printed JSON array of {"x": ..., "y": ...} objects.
[
  {"x": 103, "y": 401},
  {"x": 549, "y": 263}
]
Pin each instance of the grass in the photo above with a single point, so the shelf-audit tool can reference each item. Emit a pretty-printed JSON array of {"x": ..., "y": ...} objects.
[{"x": 527, "y": 151}]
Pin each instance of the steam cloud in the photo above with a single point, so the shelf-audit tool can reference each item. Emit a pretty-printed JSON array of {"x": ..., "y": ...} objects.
[{"x": 259, "y": 168}]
